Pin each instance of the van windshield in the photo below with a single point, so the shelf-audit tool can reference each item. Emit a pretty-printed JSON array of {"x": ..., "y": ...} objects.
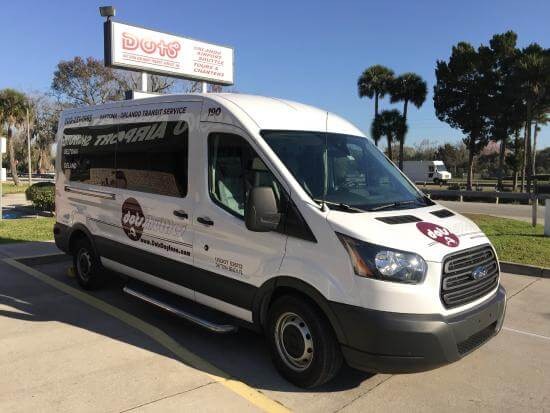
[{"x": 346, "y": 171}]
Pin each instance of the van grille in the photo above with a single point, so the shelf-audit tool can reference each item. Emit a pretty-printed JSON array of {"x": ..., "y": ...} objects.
[{"x": 458, "y": 286}]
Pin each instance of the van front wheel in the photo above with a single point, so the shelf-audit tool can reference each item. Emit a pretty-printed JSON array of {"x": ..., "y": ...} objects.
[
  {"x": 302, "y": 343},
  {"x": 89, "y": 271}
]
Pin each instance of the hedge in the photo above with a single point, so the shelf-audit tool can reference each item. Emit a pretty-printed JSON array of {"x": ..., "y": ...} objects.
[{"x": 42, "y": 196}]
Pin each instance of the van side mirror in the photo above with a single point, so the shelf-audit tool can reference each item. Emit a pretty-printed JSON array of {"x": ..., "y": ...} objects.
[{"x": 260, "y": 212}]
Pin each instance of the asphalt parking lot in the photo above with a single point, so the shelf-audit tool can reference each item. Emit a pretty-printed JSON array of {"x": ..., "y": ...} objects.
[{"x": 62, "y": 349}]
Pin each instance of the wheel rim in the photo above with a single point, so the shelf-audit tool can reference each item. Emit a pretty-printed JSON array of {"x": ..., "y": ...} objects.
[
  {"x": 294, "y": 341},
  {"x": 84, "y": 264}
]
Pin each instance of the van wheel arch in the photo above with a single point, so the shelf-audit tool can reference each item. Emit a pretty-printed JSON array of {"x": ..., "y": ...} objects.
[
  {"x": 277, "y": 287},
  {"x": 79, "y": 231}
]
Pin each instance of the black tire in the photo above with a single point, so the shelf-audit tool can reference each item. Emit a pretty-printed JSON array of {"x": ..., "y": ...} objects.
[
  {"x": 90, "y": 274},
  {"x": 295, "y": 363}
]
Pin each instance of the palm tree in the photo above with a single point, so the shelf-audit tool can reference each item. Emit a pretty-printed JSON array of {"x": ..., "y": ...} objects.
[
  {"x": 541, "y": 119},
  {"x": 13, "y": 108},
  {"x": 534, "y": 72},
  {"x": 391, "y": 124},
  {"x": 408, "y": 87},
  {"x": 375, "y": 82}
]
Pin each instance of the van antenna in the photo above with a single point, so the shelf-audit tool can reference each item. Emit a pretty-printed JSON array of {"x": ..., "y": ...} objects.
[{"x": 325, "y": 166}]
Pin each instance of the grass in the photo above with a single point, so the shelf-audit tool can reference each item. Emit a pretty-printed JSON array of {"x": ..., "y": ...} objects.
[
  {"x": 10, "y": 188},
  {"x": 515, "y": 241},
  {"x": 26, "y": 229}
]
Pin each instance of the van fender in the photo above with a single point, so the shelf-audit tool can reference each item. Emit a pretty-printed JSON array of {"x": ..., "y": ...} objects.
[
  {"x": 78, "y": 227},
  {"x": 262, "y": 300}
]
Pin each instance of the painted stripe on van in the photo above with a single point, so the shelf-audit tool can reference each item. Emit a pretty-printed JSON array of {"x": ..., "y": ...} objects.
[
  {"x": 218, "y": 286},
  {"x": 185, "y": 244}
]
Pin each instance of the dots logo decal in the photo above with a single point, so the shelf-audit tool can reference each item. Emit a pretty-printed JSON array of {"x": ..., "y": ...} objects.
[
  {"x": 438, "y": 233},
  {"x": 133, "y": 219}
]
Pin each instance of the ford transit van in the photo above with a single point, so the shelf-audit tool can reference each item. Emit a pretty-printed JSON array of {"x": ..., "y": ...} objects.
[{"x": 234, "y": 210}]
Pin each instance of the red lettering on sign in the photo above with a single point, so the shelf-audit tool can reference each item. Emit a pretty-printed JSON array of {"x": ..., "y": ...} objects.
[
  {"x": 147, "y": 45},
  {"x": 129, "y": 41}
]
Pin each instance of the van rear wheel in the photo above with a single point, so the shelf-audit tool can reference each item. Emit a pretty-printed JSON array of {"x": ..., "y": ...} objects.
[
  {"x": 302, "y": 343},
  {"x": 89, "y": 271}
]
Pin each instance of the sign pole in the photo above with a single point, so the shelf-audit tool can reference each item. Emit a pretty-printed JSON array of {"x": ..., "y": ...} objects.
[{"x": 144, "y": 82}]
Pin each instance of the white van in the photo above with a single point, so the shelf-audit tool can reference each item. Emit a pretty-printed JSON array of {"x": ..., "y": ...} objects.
[
  {"x": 235, "y": 210},
  {"x": 427, "y": 171}
]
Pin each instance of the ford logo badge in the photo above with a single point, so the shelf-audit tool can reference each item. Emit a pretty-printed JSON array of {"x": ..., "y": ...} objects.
[{"x": 479, "y": 272}]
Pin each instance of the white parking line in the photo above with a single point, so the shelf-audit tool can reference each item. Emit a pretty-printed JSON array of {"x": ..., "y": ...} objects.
[{"x": 526, "y": 333}]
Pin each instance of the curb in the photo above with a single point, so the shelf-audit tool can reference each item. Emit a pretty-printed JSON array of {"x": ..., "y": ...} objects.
[{"x": 524, "y": 269}]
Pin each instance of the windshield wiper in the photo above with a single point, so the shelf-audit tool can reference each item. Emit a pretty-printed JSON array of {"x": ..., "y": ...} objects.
[
  {"x": 342, "y": 206},
  {"x": 393, "y": 204}
]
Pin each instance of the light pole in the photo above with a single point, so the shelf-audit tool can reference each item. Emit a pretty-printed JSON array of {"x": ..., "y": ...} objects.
[
  {"x": 2, "y": 151},
  {"x": 29, "y": 146}
]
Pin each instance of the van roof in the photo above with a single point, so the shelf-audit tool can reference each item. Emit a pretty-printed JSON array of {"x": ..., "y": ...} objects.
[
  {"x": 264, "y": 112},
  {"x": 275, "y": 113}
]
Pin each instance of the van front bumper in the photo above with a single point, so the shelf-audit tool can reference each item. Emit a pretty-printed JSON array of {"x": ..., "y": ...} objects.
[{"x": 386, "y": 342}]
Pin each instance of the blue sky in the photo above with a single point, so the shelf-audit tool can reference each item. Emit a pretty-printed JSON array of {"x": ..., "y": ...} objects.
[{"x": 308, "y": 51}]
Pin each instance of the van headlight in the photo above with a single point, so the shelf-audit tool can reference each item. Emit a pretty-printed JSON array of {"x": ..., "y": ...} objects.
[{"x": 375, "y": 261}]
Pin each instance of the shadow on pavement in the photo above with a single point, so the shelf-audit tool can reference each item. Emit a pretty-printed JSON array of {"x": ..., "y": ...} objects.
[{"x": 243, "y": 355}]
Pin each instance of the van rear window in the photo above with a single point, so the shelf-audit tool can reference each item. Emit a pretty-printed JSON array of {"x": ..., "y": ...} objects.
[{"x": 148, "y": 157}]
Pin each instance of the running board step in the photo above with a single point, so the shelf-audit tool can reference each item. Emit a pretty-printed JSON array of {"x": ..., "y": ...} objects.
[{"x": 181, "y": 307}]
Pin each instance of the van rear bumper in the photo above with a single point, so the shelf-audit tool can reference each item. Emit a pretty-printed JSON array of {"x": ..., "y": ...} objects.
[
  {"x": 61, "y": 233},
  {"x": 385, "y": 342}
]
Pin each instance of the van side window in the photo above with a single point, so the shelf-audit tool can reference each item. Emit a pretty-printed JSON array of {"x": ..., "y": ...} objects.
[
  {"x": 153, "y": 157},
  {"x": 234, "y": 168},
  {"x": 147, "y": 157},
  {"x": 83, "y": 160}
]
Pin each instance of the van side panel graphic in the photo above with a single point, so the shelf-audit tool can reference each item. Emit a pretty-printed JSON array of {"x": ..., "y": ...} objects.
[
  {"x": 438, "y": 233},
  {"x": 132, "y": 219}
]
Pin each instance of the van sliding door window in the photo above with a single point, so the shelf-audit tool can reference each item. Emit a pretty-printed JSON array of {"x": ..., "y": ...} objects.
[
  {"x": 152, "y": 157},
  {"x": 147, "y": 157}
]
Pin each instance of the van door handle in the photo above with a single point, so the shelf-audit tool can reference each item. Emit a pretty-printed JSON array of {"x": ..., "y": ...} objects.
[
  {"x": 205, "y": 221},
  {"x": 180, "y": 213}
]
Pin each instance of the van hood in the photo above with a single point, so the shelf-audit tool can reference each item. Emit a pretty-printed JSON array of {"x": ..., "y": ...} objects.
[{"x": 415, "y": 230}]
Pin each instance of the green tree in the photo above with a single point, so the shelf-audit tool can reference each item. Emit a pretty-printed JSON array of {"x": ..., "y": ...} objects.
[
  {"x": 461, "y": 100},
  {"x": 455, "y": 157},
  {"x": 408, "y": 87},
  {"x": 13, "y": 111},
  {"x": 374, "y": 82},
  {"x": 506, "y": 108},
  {"x": 541, "y": 119},
  {"x": 391, "y": 124},
  {"x": 515, "y": 158},
  {"x": 86, "y": 82},
  {"x": 543, "y": 161},
  {"x": 44, "y": 130},
  {"x": 534, "y": 73}
]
